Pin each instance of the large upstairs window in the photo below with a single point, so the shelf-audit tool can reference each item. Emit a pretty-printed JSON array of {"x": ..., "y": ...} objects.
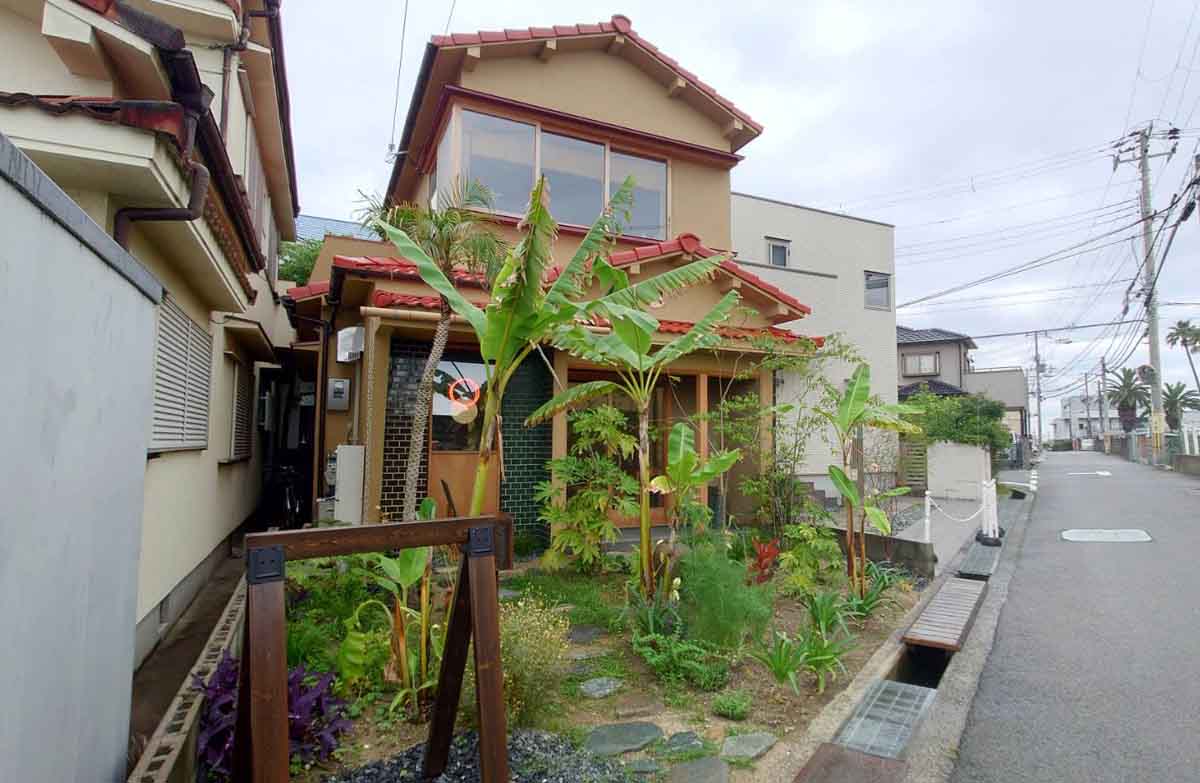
[{"x": 506, "y": 156}]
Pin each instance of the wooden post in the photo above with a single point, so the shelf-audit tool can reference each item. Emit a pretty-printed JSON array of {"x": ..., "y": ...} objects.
[
  {"x": 265, "y": 668},
  {"x": 489, "y": 675},
  {"x": 702, "y": 435},
  {"x": 454, "y": 665}
]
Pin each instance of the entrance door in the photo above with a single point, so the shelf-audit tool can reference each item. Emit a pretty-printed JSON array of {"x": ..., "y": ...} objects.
[{"x": 460, "y": 391}]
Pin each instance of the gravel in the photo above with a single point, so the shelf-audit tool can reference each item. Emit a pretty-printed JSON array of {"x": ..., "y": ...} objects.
[
  {"x": 533, "y": 757},
  {"x": 908, "y": 517}
]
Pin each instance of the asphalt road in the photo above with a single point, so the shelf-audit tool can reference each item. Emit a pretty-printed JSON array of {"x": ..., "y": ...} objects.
[{"x": 1095, "y": 672}]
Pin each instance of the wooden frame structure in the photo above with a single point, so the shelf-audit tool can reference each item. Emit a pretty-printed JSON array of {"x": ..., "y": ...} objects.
[{"x": 262, "y": 747}]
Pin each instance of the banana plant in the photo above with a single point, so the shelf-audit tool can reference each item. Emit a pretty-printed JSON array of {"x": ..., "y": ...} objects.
[
  {"x": 686, "y": 472},
  {"x": 627, "y": 348},
  {"x": 856, "y": 412}
]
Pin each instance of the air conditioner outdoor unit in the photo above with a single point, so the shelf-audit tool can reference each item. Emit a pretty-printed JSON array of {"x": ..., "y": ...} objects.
[{"x": 350, "y": 344}]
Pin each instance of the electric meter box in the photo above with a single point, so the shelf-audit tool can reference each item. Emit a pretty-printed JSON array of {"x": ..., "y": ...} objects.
[{"x": 337, "y": 394}]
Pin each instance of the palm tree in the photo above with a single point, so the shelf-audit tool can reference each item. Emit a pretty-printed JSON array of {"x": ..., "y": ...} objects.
[
  {"x": 1176, "y": 399},
  {"x": 1128, "y": 395},
  {"x": 1188, "y": 336},
  {"x": 457, "y": 237}
]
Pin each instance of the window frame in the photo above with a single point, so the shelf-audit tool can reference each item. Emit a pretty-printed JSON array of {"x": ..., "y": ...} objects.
[
  {"x": 774, "y": 242},
  {"x": 937, "y": 364},
  {"x": 242, "y": 371},
  {"x": 886, "y": 276},
  {"x": 453, "y": 125}
]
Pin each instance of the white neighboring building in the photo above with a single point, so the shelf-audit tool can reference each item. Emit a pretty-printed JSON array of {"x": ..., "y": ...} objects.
[
  {"x": 841, "y": 266},
  {"x": 1080, "y": 418}
]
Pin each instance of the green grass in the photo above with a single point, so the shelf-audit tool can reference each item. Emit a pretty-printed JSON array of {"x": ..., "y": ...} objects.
[
  {"x": 659, "y": 751},
  {"x": 595, "y": 600}
]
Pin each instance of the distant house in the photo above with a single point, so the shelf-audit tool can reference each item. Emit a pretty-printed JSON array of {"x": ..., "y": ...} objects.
[
  {"x": 940, "y": 360},
  {"x": 313, "y": 227},
  {"x": 1081, "y": 419}
]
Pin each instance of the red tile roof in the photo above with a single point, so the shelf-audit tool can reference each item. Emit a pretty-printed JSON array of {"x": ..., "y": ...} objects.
[
  {"x": 392, "y": 299},
  {"x": 691, "y": 244},
  {"x": 300, "y": 292},
  {"x": 155, "y": 116},
  {"x": 739, "y": 333},
  {"x": 399, "y": 269},
  {"x": 618, "y": 24}
]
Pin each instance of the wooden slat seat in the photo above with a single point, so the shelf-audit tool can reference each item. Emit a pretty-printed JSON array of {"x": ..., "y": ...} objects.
[{"x": 948, "y": 617}]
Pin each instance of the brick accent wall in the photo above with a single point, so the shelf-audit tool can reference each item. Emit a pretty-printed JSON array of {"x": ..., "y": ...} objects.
[
  {"x": 526, "y": 449},
  {"x": 404, "y": 373}
]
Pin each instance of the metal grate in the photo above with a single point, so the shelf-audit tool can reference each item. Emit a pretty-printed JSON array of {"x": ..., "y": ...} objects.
[{"x": 885, "y": 719}]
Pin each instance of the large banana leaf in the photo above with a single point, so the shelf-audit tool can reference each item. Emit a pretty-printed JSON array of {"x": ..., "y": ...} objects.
[
  {"x": 567, "y": 286},
  {"x": 702, "y": 335},
  {"x": 681, "y": 455},
  {"x": 576, "y": 395},
  {"x": 854, "y": 399},
  {"x": 653, "y": 289},
  {"x": 406, "y": 568},
  {"x": 716, "y": 464},
  {"x": 433, "y": 276},
  {"x": 844, "y": 485},
  {"x": 879, "y": 520}
]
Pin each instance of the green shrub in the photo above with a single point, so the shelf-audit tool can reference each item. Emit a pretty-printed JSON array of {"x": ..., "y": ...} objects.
[
  {"x": 823, "y": 656},
  {"x": 527, "y": 544},
  {"x": 860, "y": 608},
  {"x": 734, "y": 705},
  {"x": 716, "y": 604},
  {"x": 783, "y": 658},
  {"x": 826, "y": 612},
  {"x": 811, "y": 558},
  {"x": 972, "y": 419},
  {"x": 676, "y": 660},
  {"x": 533, "y": 652}
]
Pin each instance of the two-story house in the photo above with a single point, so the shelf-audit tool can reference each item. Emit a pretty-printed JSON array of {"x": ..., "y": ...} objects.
[
  {"x": 168, "y": 123},
  {"x": 585, "y": 106},
  {"x": 940, "y": 360}
]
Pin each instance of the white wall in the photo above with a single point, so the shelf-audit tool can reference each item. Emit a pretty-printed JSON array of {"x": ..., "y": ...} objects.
[
  {"x": 78, "y": 341},
  {"x": 829, "y": 255},
  {"x": 956, "y": 471}
]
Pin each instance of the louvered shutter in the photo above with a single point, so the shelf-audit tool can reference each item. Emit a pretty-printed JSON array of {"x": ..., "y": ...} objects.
[
  {"x": 182, "y": 379},
  {"x": 243, "y": 400}
]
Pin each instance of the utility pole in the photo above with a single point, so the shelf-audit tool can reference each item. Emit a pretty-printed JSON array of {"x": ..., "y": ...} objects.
[
  {"x": 1087, "y": 405},
  {"x": 1037, "y": 370},
  {"x": 1103, "y": 389},
  {"x": 1157, "y": 419}
]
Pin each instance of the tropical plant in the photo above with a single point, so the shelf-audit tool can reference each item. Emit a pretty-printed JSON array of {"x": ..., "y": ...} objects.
[
  {"x": 521, "y": 312},
  {"x": 766, "y": 555},
  {"x": 826, "y": 612},
  {"x": 716, "y": 604},
  {"x": 811, "y": 557},
  {"x": 587, "y": 488},
  {"x": 297, "y": 259},
  {"x": 658, "y": 613},
  {"x": 456, "y": 236},
  {"x": 1128, "y": 394},
  {"x": 627, "y": 348},
  {"x": 783, "y": 658},
  {"x": 854, "y": 412},
  {"x": 1177, "y": 398},
  {"x": 1187, "y": 336},
  {"x": 823, "y": 656},
  {"x": 686, "y": 473},
  {"x": 862, "y": 607},
  {"x": 732, "y": 705}
]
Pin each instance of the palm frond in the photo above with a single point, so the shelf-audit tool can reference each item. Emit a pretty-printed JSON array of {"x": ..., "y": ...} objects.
[{"x": 576, "y": 395}]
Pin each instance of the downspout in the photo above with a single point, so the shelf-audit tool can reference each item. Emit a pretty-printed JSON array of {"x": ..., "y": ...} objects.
[
  {"x": 227, "y": 51},
  {"x": 127, "y": 216}
]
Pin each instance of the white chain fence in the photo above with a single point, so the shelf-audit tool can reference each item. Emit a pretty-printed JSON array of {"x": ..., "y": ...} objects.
[{"x": 990, "y": 525}]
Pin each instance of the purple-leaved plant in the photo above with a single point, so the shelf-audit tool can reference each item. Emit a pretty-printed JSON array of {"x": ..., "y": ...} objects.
[{"x": 316, "y": 718}]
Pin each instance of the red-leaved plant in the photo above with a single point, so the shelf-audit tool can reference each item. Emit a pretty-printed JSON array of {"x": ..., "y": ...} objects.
[{"x": 766, "y": 554}]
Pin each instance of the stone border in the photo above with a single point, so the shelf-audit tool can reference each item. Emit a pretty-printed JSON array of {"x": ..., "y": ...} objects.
[
  {"x": 170, "y": 755},
  {"x": 828, "y": 722},
  {"x": 17, "y": 168}
]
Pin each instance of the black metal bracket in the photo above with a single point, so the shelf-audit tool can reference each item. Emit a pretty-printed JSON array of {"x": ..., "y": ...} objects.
[
  {"x": 480, "y": 541},
  {"x": 264, "y": 564}
]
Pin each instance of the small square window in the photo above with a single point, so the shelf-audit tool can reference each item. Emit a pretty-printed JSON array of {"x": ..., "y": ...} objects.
[
  {"x": 778, "y": 251},
  {"x": 878, "y": 290}
]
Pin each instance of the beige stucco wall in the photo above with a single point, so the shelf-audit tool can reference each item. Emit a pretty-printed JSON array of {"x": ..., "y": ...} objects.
[
  {"x": 951, "y": 363},
  {"x": 829, "y": 255},
  {"x": 29, "y": 64},
  {"x": 599, "y": 86},
  {"x": 1003, "y": 385}
]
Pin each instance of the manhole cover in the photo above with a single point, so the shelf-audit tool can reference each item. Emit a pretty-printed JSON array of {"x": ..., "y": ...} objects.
[{"x": 1100, "y": 536}]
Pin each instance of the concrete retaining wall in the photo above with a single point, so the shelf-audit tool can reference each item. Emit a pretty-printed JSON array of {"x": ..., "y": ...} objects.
[
  {"x": 917, "y": 556},
  {"x": 957, "y": 471},
  {"x": 1184, "y": 463}
]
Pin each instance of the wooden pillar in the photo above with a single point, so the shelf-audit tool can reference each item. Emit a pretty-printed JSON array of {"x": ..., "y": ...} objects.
[
  {"x": 702, "y": 434},
  {"x": 766, "y": 398},
  {"x": 558, "y": 424}
]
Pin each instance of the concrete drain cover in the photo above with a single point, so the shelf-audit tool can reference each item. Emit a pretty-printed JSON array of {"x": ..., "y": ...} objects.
[
  {"x": 885, "y": 719},
  {"x": 1100, "y": 536}
]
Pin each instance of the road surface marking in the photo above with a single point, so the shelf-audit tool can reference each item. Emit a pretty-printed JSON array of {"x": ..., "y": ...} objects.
[
  {"x": 1101, "y": 536},
  {"x": 1092, "y": 473}
]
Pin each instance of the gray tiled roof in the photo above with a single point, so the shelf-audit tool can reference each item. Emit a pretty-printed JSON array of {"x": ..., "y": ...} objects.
[
  {"x": 313, "y": 227},
  {"x": 940, "y": 388},
  {"x": 905, "y": 335}
]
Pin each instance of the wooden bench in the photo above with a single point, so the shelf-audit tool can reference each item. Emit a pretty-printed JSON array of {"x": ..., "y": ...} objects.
[{"x": 948, "y": 617}]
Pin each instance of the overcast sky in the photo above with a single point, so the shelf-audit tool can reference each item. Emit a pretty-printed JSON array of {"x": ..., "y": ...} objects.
[{"x": 981, "y": 131}]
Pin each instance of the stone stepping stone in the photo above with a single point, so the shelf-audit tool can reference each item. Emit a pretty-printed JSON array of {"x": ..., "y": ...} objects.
[
  {"x": 585, "y": 655},
  {"x": 706, "y": 770},
  {"x": 584, "y": 634},
  {"x": 747, "y": 747},
  {"x": 683, "y": 742},
  {"x": 643, "y": 767},
  {"x": 617, "y": 738},
  {"x": 600, "y": 687}
]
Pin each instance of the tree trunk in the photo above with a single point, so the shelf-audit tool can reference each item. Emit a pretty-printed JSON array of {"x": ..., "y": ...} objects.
[
  {"x": 487, "y": 437},
  {"x": 1188, "y": 350},
  {"x": 644, "y": 494},
  {"x": 417, "y": 440}
]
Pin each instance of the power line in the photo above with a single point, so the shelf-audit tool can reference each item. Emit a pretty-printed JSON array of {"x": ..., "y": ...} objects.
[
  {"x": 1138, "y": 72},
  {"x": 399, "y": 68},
  {"x": 1070, "y": 217},
  {"x": 450, "y": 16},
  {"x": 1008, "y": 207}
]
